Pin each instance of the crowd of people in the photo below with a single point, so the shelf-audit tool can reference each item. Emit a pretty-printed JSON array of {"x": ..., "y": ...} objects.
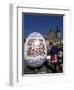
[{"x": 55, "y": 61}]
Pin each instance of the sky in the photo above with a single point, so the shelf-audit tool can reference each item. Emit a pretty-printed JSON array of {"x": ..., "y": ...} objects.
[{"x": 42, "y": 24}]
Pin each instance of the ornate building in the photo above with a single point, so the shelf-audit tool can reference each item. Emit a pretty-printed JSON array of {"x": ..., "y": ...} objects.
[{"x": 53, "y": 37}]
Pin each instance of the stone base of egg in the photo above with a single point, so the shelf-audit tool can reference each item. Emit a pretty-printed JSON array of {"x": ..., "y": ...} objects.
[{"x": 35, "y": 63}]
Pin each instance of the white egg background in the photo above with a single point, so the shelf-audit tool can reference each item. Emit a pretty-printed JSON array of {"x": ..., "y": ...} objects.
[{"x": 35, "y": 52}]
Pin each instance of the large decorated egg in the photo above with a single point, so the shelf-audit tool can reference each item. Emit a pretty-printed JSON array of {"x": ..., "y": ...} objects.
[{"x": 35, "y": 50}]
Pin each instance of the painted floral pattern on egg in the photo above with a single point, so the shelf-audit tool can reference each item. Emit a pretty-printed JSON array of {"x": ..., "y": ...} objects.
[{"x": 35, "y": 50}]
